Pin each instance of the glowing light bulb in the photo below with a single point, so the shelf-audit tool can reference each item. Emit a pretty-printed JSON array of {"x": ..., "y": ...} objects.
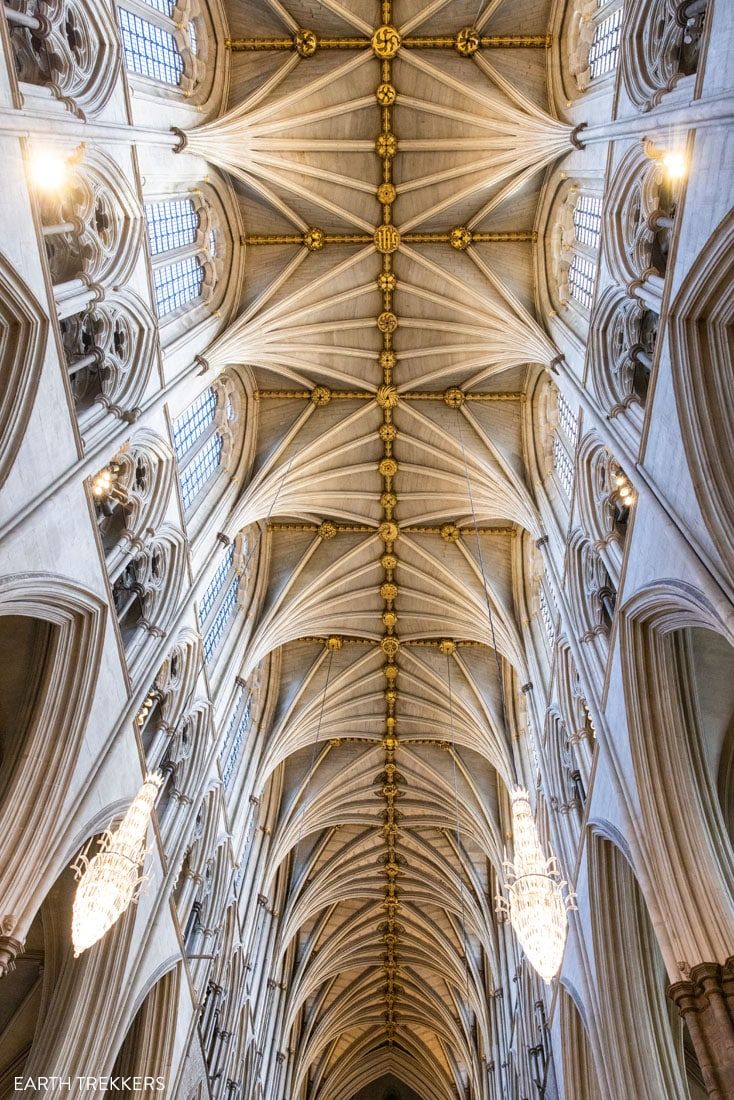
[
  {"x": 49, "y": 170},
  {"x": 674, "y": 163}
]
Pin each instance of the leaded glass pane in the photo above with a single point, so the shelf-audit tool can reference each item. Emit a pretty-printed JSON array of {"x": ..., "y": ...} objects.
[
  {"x": 171, "y": 224},
  {"x": 165, "y": 7},
  {"x": 225, "y": 613},
  {"x": 193, "y": 422},
  {"x": 581, "y": 280},
  {"x": 149, "y": 49},
  {"x": 240, "y": 735},
  {"x": 605, "y": 47},
  {"x": 201, "y": 469},
  {"x": 215, "y": 585},
  {"x": 566, "y": 418},
  {"x": 562, "y": 464},
  {"x": 587, "y": 220},
  {"x": 234, "y": 718},
  {"x": 177, "y": 283}
]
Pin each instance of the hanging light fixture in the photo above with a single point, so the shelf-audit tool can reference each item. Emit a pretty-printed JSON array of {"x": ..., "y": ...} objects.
[
  {"x": 536, "y": 904},
  {"x": 110, "y": 879}
]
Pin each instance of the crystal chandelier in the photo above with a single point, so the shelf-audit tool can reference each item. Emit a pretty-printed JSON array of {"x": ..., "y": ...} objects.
[
  {"x": 536, "y": 904},
  {"x": 110, "y": 879}
]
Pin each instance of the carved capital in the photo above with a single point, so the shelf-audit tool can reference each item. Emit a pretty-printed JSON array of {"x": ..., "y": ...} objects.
[{"x": 10, "y": 947}]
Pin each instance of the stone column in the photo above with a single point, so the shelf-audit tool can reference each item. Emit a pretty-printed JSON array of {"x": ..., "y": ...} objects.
[{"x": 706, "y": 1002}]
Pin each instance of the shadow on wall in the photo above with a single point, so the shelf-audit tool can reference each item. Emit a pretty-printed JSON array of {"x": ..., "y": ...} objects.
[{"x": 387, "y": 1088}]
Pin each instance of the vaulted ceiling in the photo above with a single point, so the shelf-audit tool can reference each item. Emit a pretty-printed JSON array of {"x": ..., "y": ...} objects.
[{"x": 388, "y": 190}]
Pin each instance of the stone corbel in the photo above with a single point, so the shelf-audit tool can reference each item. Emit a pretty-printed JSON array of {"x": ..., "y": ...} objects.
[{"x": 10, "y": 946}]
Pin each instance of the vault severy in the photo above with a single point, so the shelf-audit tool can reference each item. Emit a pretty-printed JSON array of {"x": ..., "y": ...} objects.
[{"x": 387, "y": 173}]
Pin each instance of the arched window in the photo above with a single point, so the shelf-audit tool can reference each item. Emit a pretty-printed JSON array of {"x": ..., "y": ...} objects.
[
  {"x": 236, "y": 735},
  {"x": 183, "y": 249},
  {"x": 564, "y": 444},
  {"x": 574, "y": 247},
  {"x": 171, "y": 225},
  {"x": 149, "y": 49},
  {"x": 605, "y": 43},
  {"x": 202, "y": 438},
  {"x": 542, "y": 606},
  {"x": 219, "y": 603},
  {"x": 587, "y": 220},
  {"x": 157, "y": 46},
  {"x": 177, "y": 283},
  {"x": 194, "y": 423},
  {"x": 594, "y": 40}
]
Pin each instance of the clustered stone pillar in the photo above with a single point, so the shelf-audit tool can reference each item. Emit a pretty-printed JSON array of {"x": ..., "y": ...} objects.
[{"x": 706, "y": 1003}]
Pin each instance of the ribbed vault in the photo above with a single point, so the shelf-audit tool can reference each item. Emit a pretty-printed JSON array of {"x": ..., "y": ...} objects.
[{"x": 388, "y": 188}]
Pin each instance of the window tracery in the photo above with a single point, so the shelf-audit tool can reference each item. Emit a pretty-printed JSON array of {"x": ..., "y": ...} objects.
[
  {"x": 595, "y": 593},
  {"x": 568, "y": 794},
  {"x": 68, "y": 46},
  {"x": 621, "y": 352},
  {"x": 605, "y": 497},
  {"x": 638, "y": 223},
  {"x": 661, "y": 44},
  {"x": 130, "y": 495},
  {"x": 109, "y": 350},
  {"x": 91, "y": 226},
  {"x": 145, "y": 590}
]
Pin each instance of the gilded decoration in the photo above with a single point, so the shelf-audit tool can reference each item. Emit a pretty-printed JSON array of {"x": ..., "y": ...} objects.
[
  {"x": 387, "y": 240},
  {"x": 386, "y": 42}
]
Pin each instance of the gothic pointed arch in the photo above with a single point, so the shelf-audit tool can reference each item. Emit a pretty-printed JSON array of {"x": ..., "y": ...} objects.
[
  {"x": 580, "y": 1079},
  {"x": 702, "y": 376},
  {"x": 670, "y": 635},
  {"x": 55, "y": 628},
  {"x": 632, "y": 996},
  {"x": 23, "y": 333}
]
